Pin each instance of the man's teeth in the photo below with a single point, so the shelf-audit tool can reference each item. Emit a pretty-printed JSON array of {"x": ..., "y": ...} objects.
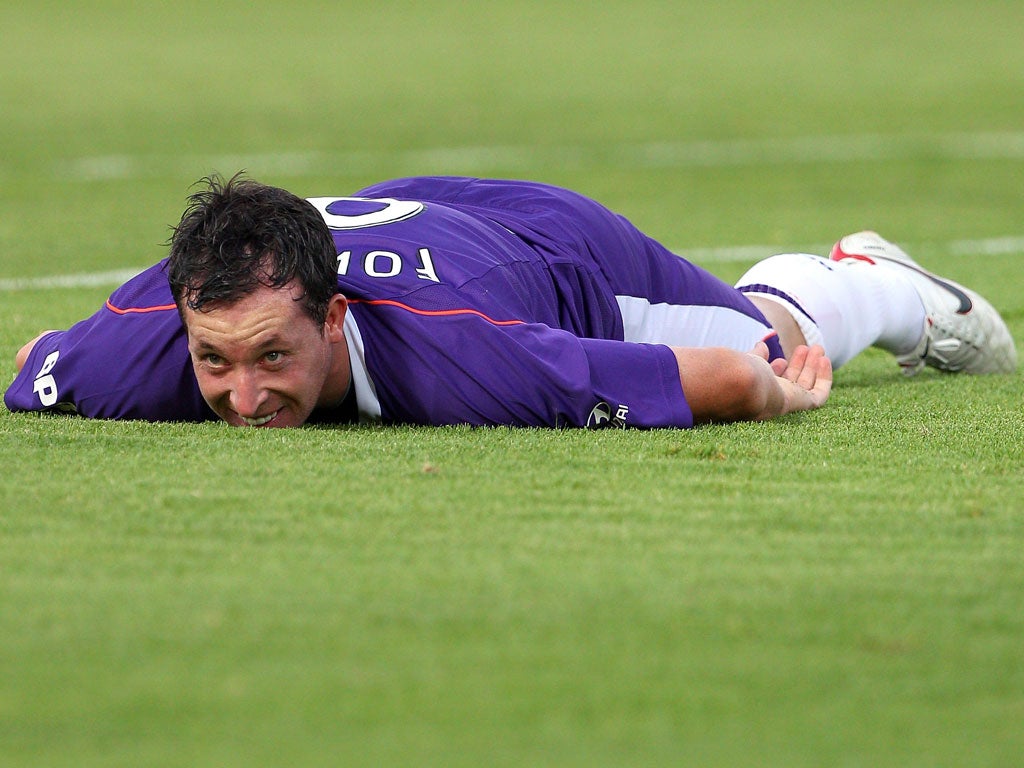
[{"x": 260, "y": 421}]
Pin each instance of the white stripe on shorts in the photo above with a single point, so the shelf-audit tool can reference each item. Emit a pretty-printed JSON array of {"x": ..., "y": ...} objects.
[{"x": 689, "y": 325}]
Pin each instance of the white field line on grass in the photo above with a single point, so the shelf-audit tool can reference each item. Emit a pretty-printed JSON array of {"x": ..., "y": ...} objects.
[
  {"x": 984, "y": 247},
  {"x": 484, "y": 159},
  {"x": 992, "y": 246},
  {"x": 79, "y": 280},
  {"x": 470, "y": 160}
]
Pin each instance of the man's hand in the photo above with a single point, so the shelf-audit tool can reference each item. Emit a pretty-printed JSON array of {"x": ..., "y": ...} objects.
[
  {"x": 805, "y": 379},
  {"x": 23, "y": 353},
  {"x": 725, "y": 385}
]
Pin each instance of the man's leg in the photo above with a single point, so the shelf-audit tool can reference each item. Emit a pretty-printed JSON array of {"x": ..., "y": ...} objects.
[
  {"x": 870, "y": 293},
  {"x": 842, "y": 307}
]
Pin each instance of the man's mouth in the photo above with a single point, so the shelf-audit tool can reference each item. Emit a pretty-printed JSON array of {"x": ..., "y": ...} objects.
[{"x": 259, "y": 422}]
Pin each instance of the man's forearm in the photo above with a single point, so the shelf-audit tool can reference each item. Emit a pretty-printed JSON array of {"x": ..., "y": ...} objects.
[{"x": 723, "y": 385}]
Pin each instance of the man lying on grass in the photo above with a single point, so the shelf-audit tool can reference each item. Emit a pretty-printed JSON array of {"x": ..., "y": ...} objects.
[{"x": 471, "y": 301}]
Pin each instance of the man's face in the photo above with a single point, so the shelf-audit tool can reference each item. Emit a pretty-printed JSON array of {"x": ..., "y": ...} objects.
[{"x": 263, "y": 362}]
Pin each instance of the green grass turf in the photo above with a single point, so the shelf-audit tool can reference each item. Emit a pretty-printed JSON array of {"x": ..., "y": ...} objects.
[{"x": 835, "y": 588}]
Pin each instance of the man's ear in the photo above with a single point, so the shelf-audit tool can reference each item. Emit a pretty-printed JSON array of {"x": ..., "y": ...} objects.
[{"x": 334, "y": 323}]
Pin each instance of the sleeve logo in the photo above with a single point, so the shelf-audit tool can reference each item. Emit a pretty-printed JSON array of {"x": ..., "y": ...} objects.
[
  {"x": 45, "y": 386},
  {"x": 601, "y": 416}
]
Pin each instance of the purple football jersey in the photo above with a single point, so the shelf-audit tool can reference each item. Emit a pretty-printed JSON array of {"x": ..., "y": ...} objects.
[
  {"x": 470, "y": 301},
  {"x": 128, "y": 361}
]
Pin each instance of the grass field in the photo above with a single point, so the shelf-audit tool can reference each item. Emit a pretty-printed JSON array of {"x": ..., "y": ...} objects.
[{"x": 840, "y": 588}]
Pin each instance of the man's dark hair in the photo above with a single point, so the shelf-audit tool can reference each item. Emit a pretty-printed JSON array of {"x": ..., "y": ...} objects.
[{"x": 237, "y": 235}]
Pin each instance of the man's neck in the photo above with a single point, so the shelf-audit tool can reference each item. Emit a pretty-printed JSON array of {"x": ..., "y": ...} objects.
[
  {"x": 338, "y": 385},
  {"x": 344, "y": 412}
]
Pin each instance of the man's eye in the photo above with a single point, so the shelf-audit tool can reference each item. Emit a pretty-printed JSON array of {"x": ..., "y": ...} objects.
[
  {"x": 213, "y": 360},
  {"x": 273, "y": 357}
]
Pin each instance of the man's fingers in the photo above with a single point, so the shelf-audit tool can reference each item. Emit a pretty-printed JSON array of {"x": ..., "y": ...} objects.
[
  {"x": 823, "y": 384},
  {"x": 811, "y": 366},
  {"x": 816, "y": 377},
  {"x": 760, "y": 350},
  {"x": 809, "y": 377},
  {"x": 797, "y": 362}
]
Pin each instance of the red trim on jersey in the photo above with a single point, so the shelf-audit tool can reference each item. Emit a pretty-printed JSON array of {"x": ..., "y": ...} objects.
[
  {"x": 434, "y": 312},
  {"x": 132, "y": 310}
]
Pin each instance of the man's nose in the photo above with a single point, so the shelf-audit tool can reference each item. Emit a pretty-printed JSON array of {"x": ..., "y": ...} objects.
[{"x": 247, "y": 393}]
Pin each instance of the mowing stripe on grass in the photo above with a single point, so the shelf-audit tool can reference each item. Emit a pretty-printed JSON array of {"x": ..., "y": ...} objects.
[
  {"x": 481, "y": 160},
  {"x": 991, "y": 246},
  {"x": 79, "y": 280},
  {"x": 984, "y": 247}
]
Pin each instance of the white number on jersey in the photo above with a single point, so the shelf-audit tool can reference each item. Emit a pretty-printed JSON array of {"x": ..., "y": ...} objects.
[{"x": 393, "y": 210}]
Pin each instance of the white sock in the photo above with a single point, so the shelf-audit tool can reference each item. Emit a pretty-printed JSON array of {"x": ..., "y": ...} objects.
[{"x": 845, "y": 306}]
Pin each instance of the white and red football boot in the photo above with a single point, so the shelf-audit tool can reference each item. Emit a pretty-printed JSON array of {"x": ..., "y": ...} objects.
[{"x": 962, "y": 332}]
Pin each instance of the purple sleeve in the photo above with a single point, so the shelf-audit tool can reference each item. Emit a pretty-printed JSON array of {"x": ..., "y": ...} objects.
[
  {"x": 466, "y": 369},
  {"x": 128, "y": 361}
]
